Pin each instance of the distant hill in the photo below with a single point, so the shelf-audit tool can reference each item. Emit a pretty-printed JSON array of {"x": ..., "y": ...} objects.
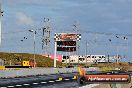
[{"x": 17, "y": 58}]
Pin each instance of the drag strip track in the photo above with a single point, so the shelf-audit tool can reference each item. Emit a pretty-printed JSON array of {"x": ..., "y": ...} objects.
[
  {"x": 64, "y": 84},
  {"x": 67, "y": 80},
  {"x": 60, "y": 84},
  {"x": 50, "y": 84},
  {"x": 43, "y": 81},
  {"x": 34, "y": 81}
]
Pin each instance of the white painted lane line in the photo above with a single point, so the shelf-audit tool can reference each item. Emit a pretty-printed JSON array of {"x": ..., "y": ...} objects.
[
  {"x": 3, "y": 87},
  {"x": 26, "y": 84},
  {"x": 66, "y": 79},
  {"x": 43, "y": 82},
  {"x": 51, "y": 81},
  {"x": 35, "y": 83},
  {"x": 10, "y": 86},
  {"x": 57, "y": 80},
  {"x": 89, "y": 86},
  {"x": 18, "y": 85}
]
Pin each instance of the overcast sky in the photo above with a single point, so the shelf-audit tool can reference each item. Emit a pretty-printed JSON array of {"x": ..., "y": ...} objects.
[{"x": 108, "y": 16}]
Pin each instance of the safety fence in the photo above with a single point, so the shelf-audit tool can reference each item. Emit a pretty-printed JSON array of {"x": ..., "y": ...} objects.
[{"x": 37, "y": 71}]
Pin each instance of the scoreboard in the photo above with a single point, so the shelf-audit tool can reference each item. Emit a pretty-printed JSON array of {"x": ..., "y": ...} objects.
[
  {"x": 66, "y": 49},
  {"x": 66, "y": 46},
  {"x": 67, "y": 42}
]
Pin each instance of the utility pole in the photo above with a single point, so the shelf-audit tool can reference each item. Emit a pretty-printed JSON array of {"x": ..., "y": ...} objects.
[
  {"x": 34, "y": 46},
  {"x": 1, "y": 14}
]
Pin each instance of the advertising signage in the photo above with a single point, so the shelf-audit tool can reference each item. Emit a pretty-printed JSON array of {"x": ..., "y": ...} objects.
[{"x": 67, "y": 37}]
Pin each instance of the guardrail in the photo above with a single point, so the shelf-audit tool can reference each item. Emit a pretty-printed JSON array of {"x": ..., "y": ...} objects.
[{"x": 37, "y": 71}]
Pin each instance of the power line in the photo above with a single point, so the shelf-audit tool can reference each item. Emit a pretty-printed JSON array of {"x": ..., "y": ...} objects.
[
  {"x": 20, "y": 31},
  {"x": 14, "y": 32},
  {"x": 103, "y": 33},
  {"x": 1, "y": 14}
]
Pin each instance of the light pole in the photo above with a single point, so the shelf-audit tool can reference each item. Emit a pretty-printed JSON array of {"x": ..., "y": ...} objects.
[
  {"x": 117, "y": 56},
  {"x": 126, "y": 39},
  {"x": 1, "y": 14},
  {"x": 34, "y": 48},
  {"x": 117, "y": 50}
]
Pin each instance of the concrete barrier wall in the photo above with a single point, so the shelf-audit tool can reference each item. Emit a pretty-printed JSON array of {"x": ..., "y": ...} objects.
[{"x": 37, "y": 71}]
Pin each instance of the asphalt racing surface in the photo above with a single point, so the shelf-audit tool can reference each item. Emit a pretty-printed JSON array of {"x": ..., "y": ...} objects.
[
  {"x": 66, "y": 84},
  {"x": 41, "y": 81},
  {"x": 61, "y": 84},
  {"x": 67, "y": 80}
]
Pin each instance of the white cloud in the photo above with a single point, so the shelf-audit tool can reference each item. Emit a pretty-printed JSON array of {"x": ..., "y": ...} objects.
[{"x": 22, "y": 18}]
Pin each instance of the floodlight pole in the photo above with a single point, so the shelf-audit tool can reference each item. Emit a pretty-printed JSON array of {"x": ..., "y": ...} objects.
[
  {"x": 0, "y": 24},
  {"x": 55, "y": 50},
  {"x": 126, "y": 47},
  {"x": 34, "y": 44},
  {"x": 34, "y": 47},
  {"x": 117, "y": 56},
  {"x": 1, "y": 14}
]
